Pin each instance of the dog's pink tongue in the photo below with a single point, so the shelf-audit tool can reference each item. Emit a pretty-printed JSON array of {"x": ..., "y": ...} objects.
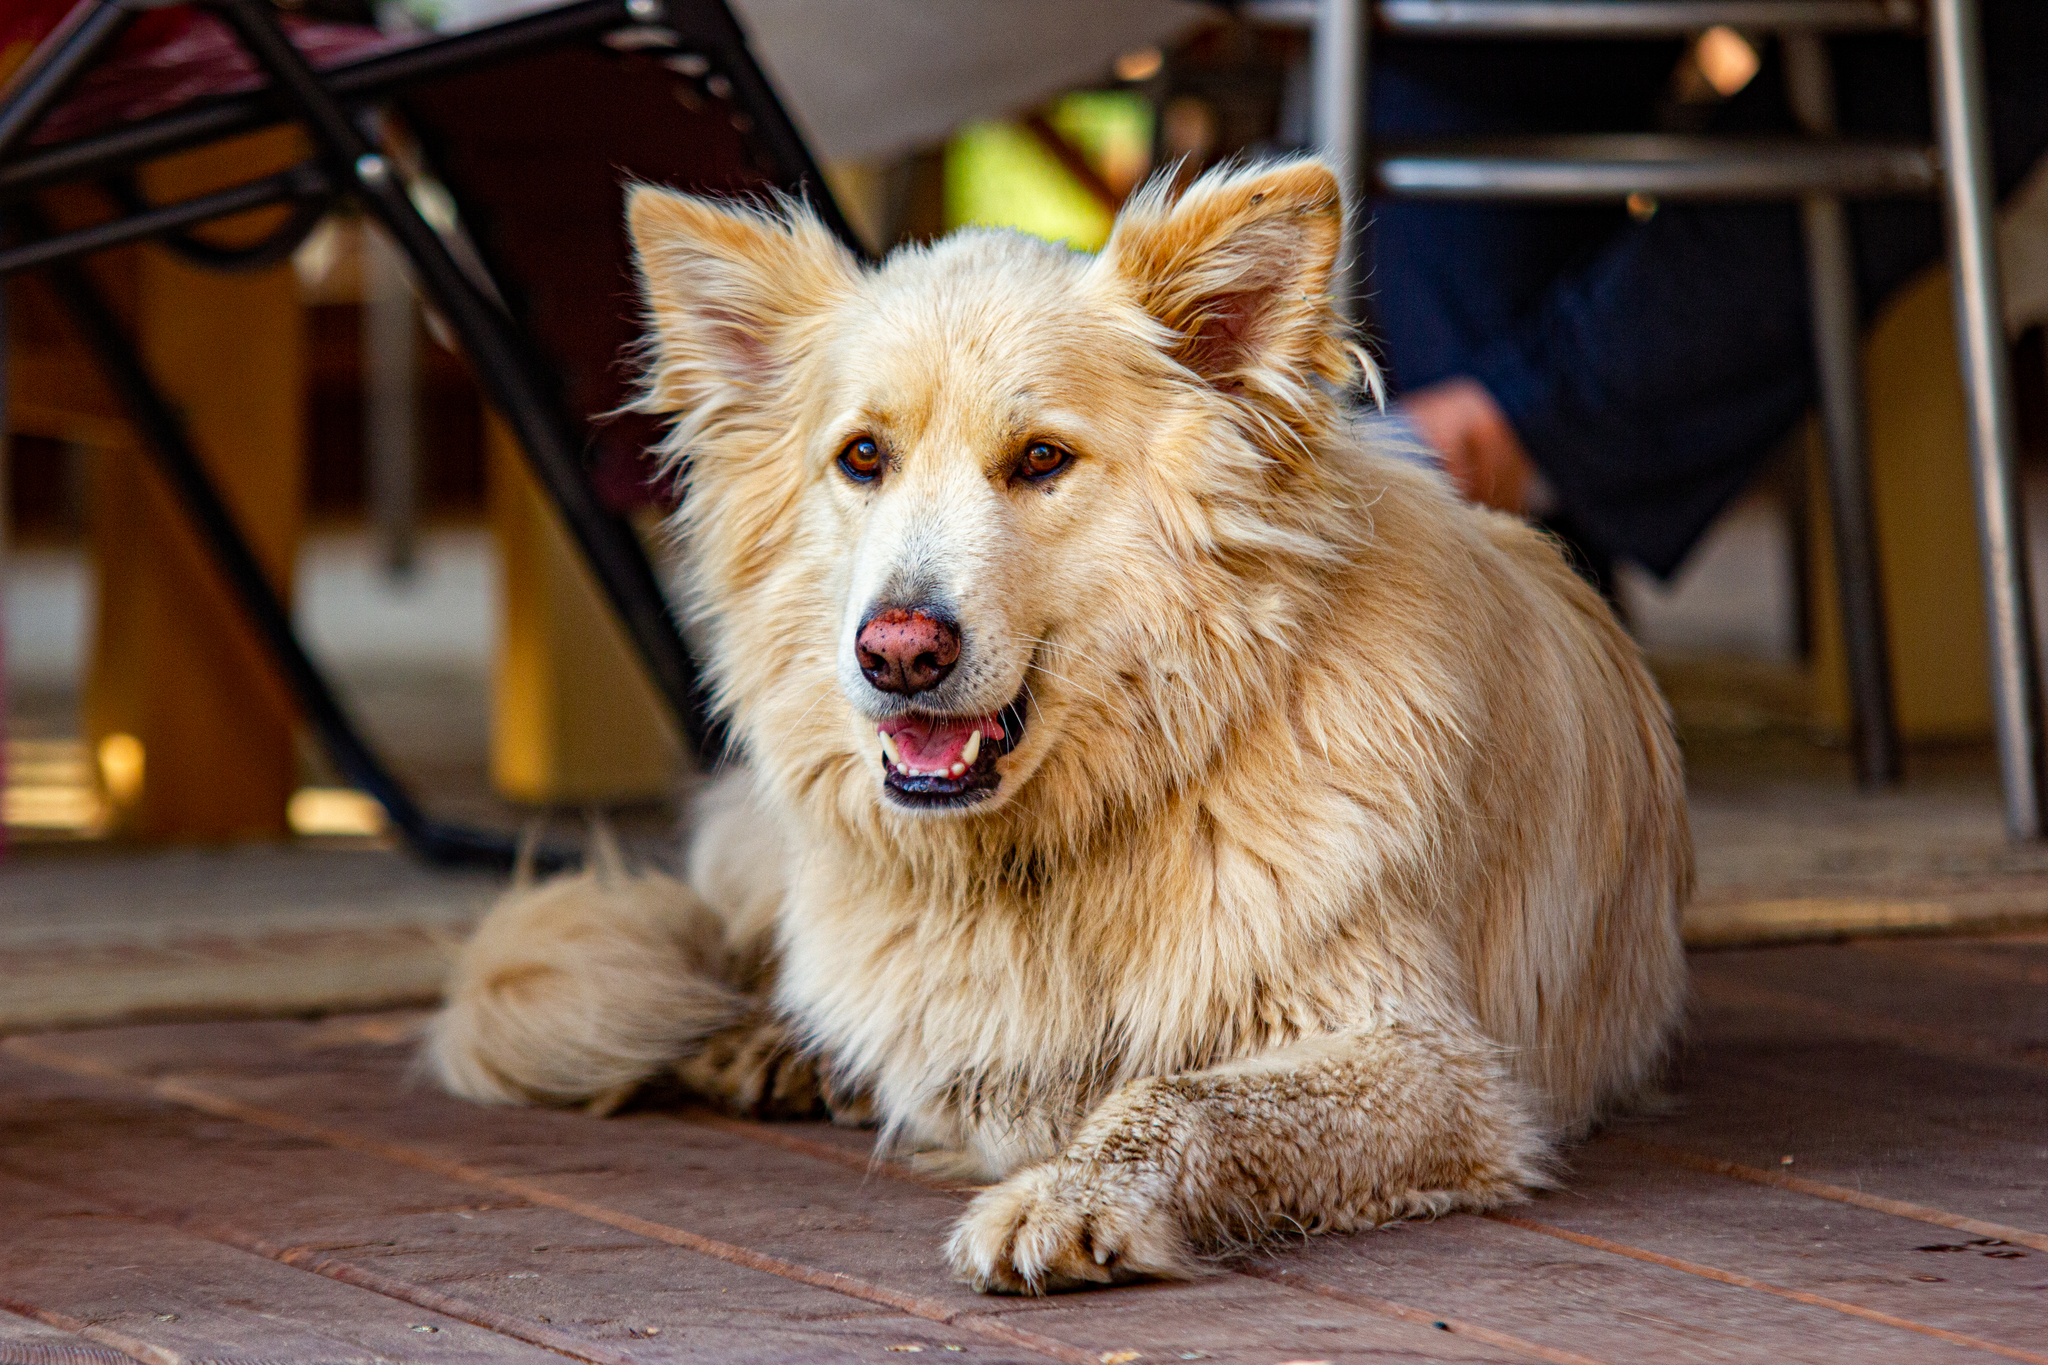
[{"x": 935, "y": 743}]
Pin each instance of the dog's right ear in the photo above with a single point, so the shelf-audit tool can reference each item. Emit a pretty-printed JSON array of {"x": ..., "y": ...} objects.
[{"x": 732, "y": 291}]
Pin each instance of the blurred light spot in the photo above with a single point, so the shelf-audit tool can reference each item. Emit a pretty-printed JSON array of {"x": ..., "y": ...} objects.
[
  {"x": 1140, "y": 65},
  {"x": 1642, "y": 207},
  {"x": 334, "y": 812},
  {"x": 122, "y": 764},
  {"x": 1726, "y": 59},
  {"x": 51, "y": 789}
]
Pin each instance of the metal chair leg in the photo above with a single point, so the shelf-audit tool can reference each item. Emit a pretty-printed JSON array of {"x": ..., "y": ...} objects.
[
  {"x": 1956, "y": 52},
  {"x": 1831, "y": 285},
  {"x": 164, "y": 435},
  {"x": 516, "y": 380},
  {"x": 60, "y": 59},
  {"x": 1342, "y": 31}
]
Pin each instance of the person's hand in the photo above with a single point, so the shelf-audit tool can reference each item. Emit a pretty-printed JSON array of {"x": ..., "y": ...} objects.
[{"x": 1478, "y": 445}]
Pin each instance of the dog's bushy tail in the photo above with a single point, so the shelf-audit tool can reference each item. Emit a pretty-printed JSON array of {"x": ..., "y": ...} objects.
[{"x": 578, "y": 988}]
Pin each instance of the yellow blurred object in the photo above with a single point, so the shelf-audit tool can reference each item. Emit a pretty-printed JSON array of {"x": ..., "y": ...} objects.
[
  {"x": 998, "y": 175},
  {"x": 334, "y": 812},
  {"x": 1926, "y": 530},
  {"x": 1112, "y": 129},
  {"x": 574, "y": 718},
  {"x": 123, "y": 765},
  {"x": 175, "y": 663},
  {"x": 51, "y": 789},
  {"x": 1001, "y": 175}
]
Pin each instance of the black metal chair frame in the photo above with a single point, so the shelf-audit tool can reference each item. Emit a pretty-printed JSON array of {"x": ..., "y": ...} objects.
[
  {"x": 332, "y": 106},
  {"x": 1819, "y": 170}
]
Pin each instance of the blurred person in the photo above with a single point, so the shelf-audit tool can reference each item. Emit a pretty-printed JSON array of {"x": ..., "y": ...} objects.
[{"x": 1624, "y": 378}]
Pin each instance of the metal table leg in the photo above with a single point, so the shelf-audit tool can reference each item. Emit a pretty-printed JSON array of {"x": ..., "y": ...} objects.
[
  {"x": 1831, "y": 281},
  {"x": 1958, "y": 60}
]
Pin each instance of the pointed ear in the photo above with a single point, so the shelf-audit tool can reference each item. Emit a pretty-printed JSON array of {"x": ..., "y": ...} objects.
[
  {"x": 1238, "y": 268},
  {"x": 729, "y": 289}
]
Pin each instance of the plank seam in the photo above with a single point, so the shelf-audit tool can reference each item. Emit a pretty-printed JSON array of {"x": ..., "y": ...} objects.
[
  {"x": 135, "y": 1348},
  {"x": 181, "y": 1092},
  {"x": 1730, "y": 1277},
  {"x": 795, "y": 1143},
  {"x": 802, "y": 1146},
  {"x": 1946, "y": 1044},
  {"x": 309, "y": 1259},
  {"x": 56, "y": 1351},
  {"x": 1972, "y": 965},
  {"x": 1372, "y": 1303},
  {"x": 1877, "y": 1203}
]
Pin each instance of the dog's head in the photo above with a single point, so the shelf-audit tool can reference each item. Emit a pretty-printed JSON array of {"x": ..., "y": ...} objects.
[{"x": 980, "y": 518}]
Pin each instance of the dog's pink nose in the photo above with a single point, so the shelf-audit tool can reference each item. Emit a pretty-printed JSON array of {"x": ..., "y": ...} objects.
[{"x": 902, "y": 649}]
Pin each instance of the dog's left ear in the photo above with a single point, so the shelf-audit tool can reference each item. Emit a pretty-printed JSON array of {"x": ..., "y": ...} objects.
[
  {"x": 1239, "y": 267},
  {"x": 732, "y": 290}
]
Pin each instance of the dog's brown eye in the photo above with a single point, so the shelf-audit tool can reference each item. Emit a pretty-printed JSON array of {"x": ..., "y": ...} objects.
[
  {"x": 861, "y": 460},
  {"x": 1042, "y": 460}
]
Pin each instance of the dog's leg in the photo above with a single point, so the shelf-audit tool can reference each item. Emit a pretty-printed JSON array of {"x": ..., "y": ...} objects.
[{"x": 1331, "y": 1133}]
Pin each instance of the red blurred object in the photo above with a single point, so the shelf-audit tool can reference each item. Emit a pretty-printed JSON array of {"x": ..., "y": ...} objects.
[{"x": 168, "y": 57}]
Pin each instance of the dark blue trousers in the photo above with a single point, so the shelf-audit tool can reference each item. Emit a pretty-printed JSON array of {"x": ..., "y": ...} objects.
[{"x": 1649, "y": 367}]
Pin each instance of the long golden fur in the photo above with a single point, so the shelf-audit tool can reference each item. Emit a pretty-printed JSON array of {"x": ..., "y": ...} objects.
[{"x": 1336, "y": 874}]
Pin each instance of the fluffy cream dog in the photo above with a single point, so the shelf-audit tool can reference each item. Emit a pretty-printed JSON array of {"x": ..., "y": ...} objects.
[{"x": 1155, "y": 799}]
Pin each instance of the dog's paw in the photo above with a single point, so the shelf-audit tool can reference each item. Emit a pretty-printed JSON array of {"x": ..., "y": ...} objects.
[
  {"x": 1065, "y": 1225},
  {"x": 753, "y": 1069}
]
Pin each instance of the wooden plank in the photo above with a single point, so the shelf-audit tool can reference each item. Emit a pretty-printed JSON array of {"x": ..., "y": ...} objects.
[
  {"x": 1889, "y": 996},
  {"x": 222, "y": 932},
  {"x": 24, "y": 1340},
  {"x": 1840, "y": 1194},
  {"x": 263, "y": 973},
  {"x": 800, "y": 1202},
  {"x": 874, "y": 1242},
  {"x": 2019, "y": 960},
  {"x": 1929, "y": 1131},
  {"x": 512, "y": 1268},
  {"x": 1751, "y": 916},
  {"x": 1734, "y": 1279},
  {"x": 153, "y": 1293},
  {"x": 1859, "y": 1255},
  {"x": 1853, "y": 1069},
  {"x": 1673, "y": 1315},
  {"x": 1587, "y": 1299},
  {"x": 835, "y": 1150}
]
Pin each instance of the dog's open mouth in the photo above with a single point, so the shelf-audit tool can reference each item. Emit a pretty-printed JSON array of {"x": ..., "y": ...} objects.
[{"x": 931, "y": 761}]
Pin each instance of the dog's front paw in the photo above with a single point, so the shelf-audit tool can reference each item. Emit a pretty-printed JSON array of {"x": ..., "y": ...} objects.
[{"x": 1066, "y": 1224}]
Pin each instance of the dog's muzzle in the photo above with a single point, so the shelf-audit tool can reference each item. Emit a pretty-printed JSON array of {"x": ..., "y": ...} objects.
[{"x": 931, "y": 762}]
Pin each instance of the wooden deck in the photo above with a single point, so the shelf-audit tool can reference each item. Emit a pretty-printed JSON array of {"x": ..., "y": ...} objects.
[{"x": 1856, "y": 1169}]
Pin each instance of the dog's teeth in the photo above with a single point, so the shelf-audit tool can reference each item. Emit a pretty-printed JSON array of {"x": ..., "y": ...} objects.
[
  {"x": 958, "y": 770},
  {"x": 972, "y": 751},
  {"x": 889, "y": 748}
]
